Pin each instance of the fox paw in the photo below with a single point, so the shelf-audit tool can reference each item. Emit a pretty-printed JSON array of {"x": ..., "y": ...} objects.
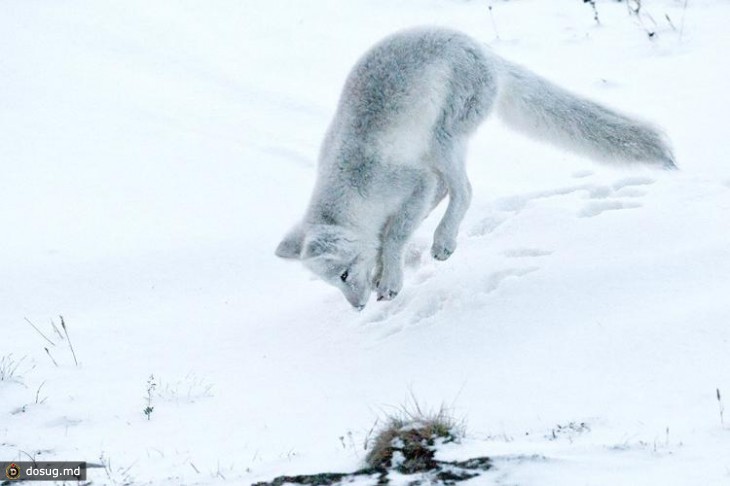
[
  {"x": 387, "y": 288},
  {"x": 387, "y": 294},
  {"x": 442, "y": 251}
]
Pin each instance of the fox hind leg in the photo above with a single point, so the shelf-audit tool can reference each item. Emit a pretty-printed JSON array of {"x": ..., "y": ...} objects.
[{"x": 450, "y": 160}]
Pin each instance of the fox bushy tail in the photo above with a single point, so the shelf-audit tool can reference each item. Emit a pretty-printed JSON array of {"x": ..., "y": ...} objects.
[{"x": 539, "y": 108}]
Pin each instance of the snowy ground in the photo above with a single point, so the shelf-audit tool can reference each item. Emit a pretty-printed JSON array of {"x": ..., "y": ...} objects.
[{"x": 155, "y": 152}]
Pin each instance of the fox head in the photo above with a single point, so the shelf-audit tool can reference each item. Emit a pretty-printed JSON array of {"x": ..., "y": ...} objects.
[{"x": 336, "y": 255}]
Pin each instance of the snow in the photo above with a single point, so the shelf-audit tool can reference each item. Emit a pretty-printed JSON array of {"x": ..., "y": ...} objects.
[{"x": 155, "y": 153}]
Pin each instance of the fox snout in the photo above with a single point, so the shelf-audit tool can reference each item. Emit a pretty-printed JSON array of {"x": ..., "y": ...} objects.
[
  {"x": 357, "y": 303},
  {"x": 357, "y": 297}
]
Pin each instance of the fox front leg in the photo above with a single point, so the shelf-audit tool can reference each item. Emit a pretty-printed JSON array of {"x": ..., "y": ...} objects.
[{"x": 396, "y": 233}]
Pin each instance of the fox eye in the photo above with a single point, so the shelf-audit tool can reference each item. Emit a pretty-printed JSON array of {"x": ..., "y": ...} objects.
[{"x": 344, "y": 276}]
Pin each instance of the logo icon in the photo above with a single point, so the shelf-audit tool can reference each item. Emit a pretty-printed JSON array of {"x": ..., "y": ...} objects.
[{"x": 12, "y": 471}]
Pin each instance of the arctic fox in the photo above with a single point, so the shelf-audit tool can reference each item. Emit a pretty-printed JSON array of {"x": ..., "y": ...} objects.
[{"x": 397, "y": 144}]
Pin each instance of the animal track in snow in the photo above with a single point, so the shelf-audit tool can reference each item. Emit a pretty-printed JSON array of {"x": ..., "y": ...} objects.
[
  {"x": 385, "y": 310},
  {"x": 430, "y": 308},
  {"x": 626, "y": 187},
  {"x": 485, "y": 226},
  {"x": 580, "y": 174},
  {"x": 512, "y": 204},
  {"x": 596, "y": 208},
  {"x": 526, "y": 252},
  {"x": 603, "y": 196},
  {"x": 632, "y": 181},
  {"x": 630, "y": 192},
  {"x": 595, "y": 191},
  {"x": 517, "y": 203},
  {"x": 492, "y": 282}
]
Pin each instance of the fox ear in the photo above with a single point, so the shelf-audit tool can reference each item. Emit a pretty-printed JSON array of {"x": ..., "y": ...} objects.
[
  {"x": 325, "y": 240},
  {"x": 291, "y": 245},
  {"x": 316, "y": 247}
]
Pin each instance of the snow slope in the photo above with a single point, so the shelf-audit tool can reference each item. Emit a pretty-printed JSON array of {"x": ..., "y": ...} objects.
[{"x": 155, "y": 153}]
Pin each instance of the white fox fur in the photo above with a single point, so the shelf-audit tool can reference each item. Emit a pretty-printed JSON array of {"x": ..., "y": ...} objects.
[{"x": 397, "y": 143}]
